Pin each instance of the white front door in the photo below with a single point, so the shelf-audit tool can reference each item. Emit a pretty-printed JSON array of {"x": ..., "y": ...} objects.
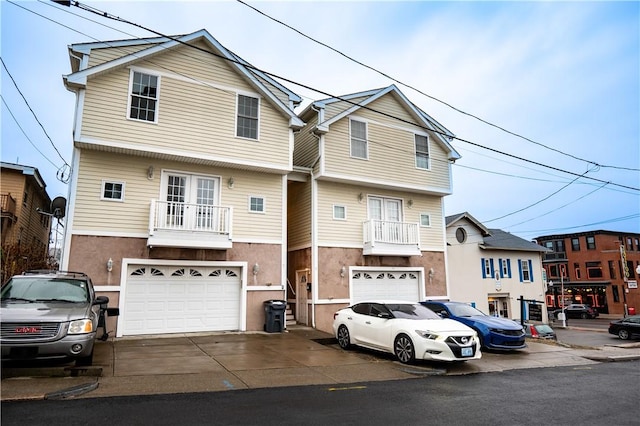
[{"x": 302, "y": 309}]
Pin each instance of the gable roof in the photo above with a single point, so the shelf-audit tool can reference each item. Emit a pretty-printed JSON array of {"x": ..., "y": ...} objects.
[
  {"x": 157, "y": 45},
  {"x": 496, "y": 239},
  {"x": 361, "y": 100}
]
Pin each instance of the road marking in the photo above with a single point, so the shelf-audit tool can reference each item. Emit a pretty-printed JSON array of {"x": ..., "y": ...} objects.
[{"x": 347, "y": 388}]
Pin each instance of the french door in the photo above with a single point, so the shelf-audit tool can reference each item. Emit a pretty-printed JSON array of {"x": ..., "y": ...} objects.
[{"x": 191, "y": 200}]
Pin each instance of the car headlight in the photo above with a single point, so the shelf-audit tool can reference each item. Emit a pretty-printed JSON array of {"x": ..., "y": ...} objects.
[
  {"x": 427, "y": 334},
  {"x": 81, "y": 326}
]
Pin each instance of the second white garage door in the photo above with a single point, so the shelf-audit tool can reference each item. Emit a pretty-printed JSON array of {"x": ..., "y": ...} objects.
[
  {"x": 380, "y": 285},
  {"x": 180, "y": 299}
]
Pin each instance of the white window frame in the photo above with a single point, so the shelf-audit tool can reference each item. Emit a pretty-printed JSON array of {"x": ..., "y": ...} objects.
[
  {"x": 428, "y": 216},
  {"x": 365, "y": 140},
  {"x": 344, "y": 211},
  {"x": 114, "y": 182},
  {"x": 247, "y": 95},
  {"x": 526, "y": 273},
  {"x": 250, "y": 198},
  {"x": 132, "y": 72},
  {"x": 428, "y": 156}
]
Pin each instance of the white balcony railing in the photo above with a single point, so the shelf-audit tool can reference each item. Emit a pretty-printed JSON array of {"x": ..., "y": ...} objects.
[
  {"x": 381, "y": 237},
  {"x": 189, "y": 225}
]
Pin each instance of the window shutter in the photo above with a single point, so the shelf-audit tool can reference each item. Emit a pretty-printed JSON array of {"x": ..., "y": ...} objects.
[
  {"x": 493, "y": 271},
  {"x": 530, "y": 271},
  {"x": 500, "y": 273},
  {"x": 484, "y": 271},
  {"x": 509, "y": 267},
  {"x": 520, "y": 270}
]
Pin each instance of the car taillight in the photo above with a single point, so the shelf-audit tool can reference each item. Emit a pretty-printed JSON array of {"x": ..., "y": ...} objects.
[{"x": 534, "y": 332}]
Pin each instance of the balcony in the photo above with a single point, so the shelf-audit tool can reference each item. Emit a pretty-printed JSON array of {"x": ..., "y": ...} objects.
[
  {"x": 385, "y": 238},
  {"x": 174, "y": 224},
  {"x": 8, "y": 206}
]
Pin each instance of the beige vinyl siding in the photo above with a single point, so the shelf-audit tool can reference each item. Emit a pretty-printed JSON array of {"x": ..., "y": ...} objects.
[
  {"x": 132, "y": 215},
  {"x": 305, "y": 151},
  {"x": 391, "y": 148},
  {"x": 299, "y": 214},
  {"x": 100, "y": 56},
  {"x": 335, "y": 108},
  {"x": 192, "y": 116},
  {"x": 349, "y": 232}
]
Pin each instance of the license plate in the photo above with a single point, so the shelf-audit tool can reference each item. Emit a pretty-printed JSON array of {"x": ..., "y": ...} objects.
[{"x": 467, "y": 351}]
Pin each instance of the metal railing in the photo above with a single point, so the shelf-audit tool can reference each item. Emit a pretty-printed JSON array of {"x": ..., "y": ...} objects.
[{"x": 176, "y": 216}]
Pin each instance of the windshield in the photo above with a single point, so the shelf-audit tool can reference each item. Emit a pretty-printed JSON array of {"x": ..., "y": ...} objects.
[
  {"x": 462, "y": 310},
  {"x": 41, "y": 289},
  {"x": 411, "y": 311}
]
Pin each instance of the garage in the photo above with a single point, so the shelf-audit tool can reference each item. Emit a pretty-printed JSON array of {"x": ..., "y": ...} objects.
[
  {"x": 161, "y": 299},
  {"x": 386, "y": 284}
]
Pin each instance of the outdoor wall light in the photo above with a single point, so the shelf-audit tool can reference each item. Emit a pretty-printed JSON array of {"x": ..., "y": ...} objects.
[
  {"x": 343, "y": 271},
  {"x": 230, "y": 182},
  {"x": 109, "y": 265},
  {"x": 150, "y": 173},
  {"x": 360, "y": 197},
  {"x": 256, "y": 269},
  {"x": 410, "y": 203}
]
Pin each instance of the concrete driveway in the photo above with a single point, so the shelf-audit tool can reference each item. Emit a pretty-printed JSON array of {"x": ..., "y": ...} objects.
[{"x": 227, "y": 361}]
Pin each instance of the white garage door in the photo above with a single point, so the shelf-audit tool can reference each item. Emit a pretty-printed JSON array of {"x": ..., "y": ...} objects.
[
  {"x": 180, "y": 299},
  {"x": 378, "y": 285}
]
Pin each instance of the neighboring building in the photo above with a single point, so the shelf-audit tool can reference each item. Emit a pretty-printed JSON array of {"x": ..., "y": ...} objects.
[
  {"x": 589, "y": 265},
  {"x": 366, "y": 204},
  {"x": 24, "y": 199},
  {"x": 492, "y": 269},
  {"x": 178, "y": 203}
]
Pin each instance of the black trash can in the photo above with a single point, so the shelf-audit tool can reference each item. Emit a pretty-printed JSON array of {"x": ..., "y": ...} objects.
[{"x": 274, "y": 315}]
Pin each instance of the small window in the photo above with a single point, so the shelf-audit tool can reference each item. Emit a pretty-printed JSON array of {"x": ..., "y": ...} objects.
[
  {"x": 525, "y": 271},
  {"x": 256, "y": 204},
  {"x": 594, "y": 270},
  {"x": 247, "y": 126},
  {"x": 461, "y": 235},
  {"x": 575, "y": 244},
  {"x": 359, "y": 147},
  {"x": 24, "y": 198},
  {"x": 422, "y": 152},
  {"x": 425, "y": 220},
  {"x": 576, "y": 270},
  {"x": 339, "y": 212},
  {"x": 505, "y": 268},
  {"x": 144, "y": 97},
  {"x": 591, "y": 243},
  {"x": 112, "y": 191}
]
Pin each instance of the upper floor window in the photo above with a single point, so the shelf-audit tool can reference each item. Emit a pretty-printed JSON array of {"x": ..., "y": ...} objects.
[
  {"x": 24, "y": 198},
  {"x": 422, "y": 152},
  {"x": 505, "y": 268},
  {"x": 144, "y": 97},
  {"x": 637, "y": 240},
  {"x": 113, "y": 191},
  {"x": 612, "y": 270},
  {"x": 487, "y": 268},
  {"x": 339, "y": 212},
  {"x": 591, "y": 242},
  {"x": 256, "y": 204},
  {"x": 526, "y": 270},
  {"x": 461, "y": 235},
  {"x": 629, "y": 244},
  {"x": 576, "y": 271},
  {"x": 247, "y": 125},
  {"x": 594, "y": 270},
  {"x": 575, "y": 244},
  {"x": 358, "y": 130}
]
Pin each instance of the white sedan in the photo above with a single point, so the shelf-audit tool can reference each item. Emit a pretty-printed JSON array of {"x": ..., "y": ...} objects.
[{"x": 406, "y": 329}]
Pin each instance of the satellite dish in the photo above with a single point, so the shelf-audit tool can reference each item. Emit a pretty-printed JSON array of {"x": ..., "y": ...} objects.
[{"x": 59, "y": 207}]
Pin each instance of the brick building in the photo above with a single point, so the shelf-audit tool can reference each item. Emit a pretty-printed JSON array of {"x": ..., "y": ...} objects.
[{"x": 594, "y": 267}]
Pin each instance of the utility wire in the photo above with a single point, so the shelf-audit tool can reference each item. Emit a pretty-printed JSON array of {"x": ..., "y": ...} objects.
[{"x": 427, "y": 95}]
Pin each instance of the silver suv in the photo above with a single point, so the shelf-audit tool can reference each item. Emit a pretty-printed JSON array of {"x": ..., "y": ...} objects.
[{"x": 50, "y": 314}]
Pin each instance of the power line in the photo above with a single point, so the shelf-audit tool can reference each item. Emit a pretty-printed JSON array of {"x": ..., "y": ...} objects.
[{"x": 427, "y": 95}]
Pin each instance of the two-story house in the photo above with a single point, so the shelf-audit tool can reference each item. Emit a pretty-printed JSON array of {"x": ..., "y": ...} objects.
[
  {"x": 599, "y": 268},
  {"x": 177, "y": 206},
  {"x": 25, "y": 222},
  {"x": 366, "y": 213},
  {"x": 493, "y": 269}
]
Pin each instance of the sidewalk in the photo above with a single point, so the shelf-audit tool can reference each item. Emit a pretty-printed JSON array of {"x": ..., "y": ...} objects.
[{"x": 227, "y": 361}]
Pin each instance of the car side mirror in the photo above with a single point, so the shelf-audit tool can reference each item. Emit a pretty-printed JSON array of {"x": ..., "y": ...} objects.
[
  {"x": 384, "y": 315},
  {"x": 443, "y": 314}
]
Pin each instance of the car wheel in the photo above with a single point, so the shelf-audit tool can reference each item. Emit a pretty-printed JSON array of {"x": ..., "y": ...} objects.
[
  {"x": 403, "y": 349},
  {"x": 85, "y": 361},
  {"x": 584, "y": 315},
  {"x": 344, "y": 340},
  {"x": 623, "y": 334}
]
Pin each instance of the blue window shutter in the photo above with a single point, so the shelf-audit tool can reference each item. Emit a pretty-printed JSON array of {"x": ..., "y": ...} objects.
[
  {"x": 484, "y": 272},
  {"x": 509, "y": 267},
  {"x": 493, "y": 271},
  {"x": 530, "y": 271},
  {"x": 500, "y": 268},
  {"x": 520, "y": 270}
]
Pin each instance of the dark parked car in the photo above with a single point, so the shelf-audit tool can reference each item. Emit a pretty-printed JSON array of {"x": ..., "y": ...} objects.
[
  {"x": 579, "y": 310},
  {"x": 494, "y": 332},
  {"x": 50, "y": 314},
  {"x": 626, "y": 327},
  {"x": 539, "y": 331}
]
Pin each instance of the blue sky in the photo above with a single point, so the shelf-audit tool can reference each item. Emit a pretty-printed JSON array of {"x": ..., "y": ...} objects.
[{"x": 565, "y": 75}]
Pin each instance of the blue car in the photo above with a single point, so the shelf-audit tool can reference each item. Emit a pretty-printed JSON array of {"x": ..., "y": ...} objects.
[{"x": 495, "y": 333}]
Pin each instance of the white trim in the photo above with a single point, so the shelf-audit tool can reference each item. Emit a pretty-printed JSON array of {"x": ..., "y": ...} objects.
[
  {"x": 130, "y": 94},
  {"x": 393, "y": 185},
  {"x": 105, "y": 288},
  {"x": 150, "y": 149},
  {"x": 265, "y": 288},
  {"x": 233, "y": 264},
  {"x": 235, "y": 127},
  {"x": 417, "y": 269},
  {"x": 68, "y": 228},
  {"x": 283, "y": 244},
  {"x": 344, "y": 209},
  {"x": 115, "y": 182},
  {"x": 264, "y": 204},
  {"x": 420, "y": 221},
  {"x": 366, "y": 139}
]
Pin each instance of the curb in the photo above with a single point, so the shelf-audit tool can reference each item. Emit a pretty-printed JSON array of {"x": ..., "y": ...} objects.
[{"x": 72, "y": 391}]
